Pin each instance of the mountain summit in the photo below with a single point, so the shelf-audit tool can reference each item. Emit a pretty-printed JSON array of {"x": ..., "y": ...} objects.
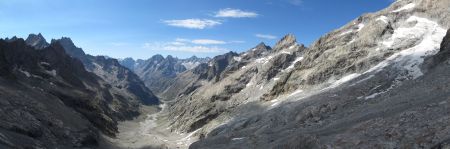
[{"x": 37, "y": 41}]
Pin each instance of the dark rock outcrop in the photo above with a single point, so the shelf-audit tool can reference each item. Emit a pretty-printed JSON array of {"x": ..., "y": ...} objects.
[
  {"x": 71, "y": 49},
  {"x": 125, "y": 83},
  {"x": 49, "y": 100},
  {"x": 38, "y": 41},
  {"x": 444, "y": 52}
]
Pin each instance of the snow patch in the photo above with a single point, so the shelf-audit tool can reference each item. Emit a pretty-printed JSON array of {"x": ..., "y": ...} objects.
[
  {"x": 26, "y": 73},
  {"x": 275, "y": 103},
  {"x": 353, "y": 40},
  {"x": 52, "y": 72},
  {"x": 383, "y": 19},
  {"x": 406, "y": 7},
  {"x": 294, "y": 62},
  {"x": 373, "y": 95},
  {"x": 276, "y": 79},
  {"x": 249, "y": 84},
  {"x": 431, "y": 35},
  {"x": 44, "y": 63},
  {"x": 237, "y": 139},
  {"x": 190, "y": 65},
  {"x": 296, "y": 92},
  {"x": 285, "y": 52},
  {"x": 343, "y": 80},
  {"x": 360, "y": 27},
  {"x": 238, "y": 59},
  {"x": 362, "y": 80},
  {"x": 264, "y": 60},
  {"x": 292, "y": 47}
]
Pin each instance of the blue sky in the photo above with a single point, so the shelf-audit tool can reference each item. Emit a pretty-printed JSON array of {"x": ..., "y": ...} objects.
[{"x": 142, "y": 28}]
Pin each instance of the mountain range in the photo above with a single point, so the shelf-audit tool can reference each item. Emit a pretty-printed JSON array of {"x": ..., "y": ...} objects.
[
  {"x": 158, "y": 72},
  {"x": 380, "y": 81}
]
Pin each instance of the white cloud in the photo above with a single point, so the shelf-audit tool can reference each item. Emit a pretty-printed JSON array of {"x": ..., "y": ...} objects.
[
  {"x": 193, "y": 23},
  {"x": 182, "y": 47},
  {"x": 182, "y": 40},
  {"x": 207, "y": 41},
  {"x": 265, "y": 36},
  {"x": 237, "y": 41},
  {"x": 194, "y": 49},
  {"x": 177, "y": 43},
  {"x": 235, "y": 13}
]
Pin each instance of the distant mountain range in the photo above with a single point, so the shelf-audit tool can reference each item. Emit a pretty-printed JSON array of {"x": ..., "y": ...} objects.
[{"x": 158, "y": 72}]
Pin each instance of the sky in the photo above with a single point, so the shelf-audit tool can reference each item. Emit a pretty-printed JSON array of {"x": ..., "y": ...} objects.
[{"x": 182, "y": 28}]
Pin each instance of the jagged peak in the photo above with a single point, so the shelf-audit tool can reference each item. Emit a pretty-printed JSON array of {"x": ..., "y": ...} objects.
[
  {"x": 158, "y": 58},
  {"x": 231, "y": 53},
  {"x": 70, "y": 48},
  {"x": 64, "y": 40},
  {"x": 287, "y": 40},
  {"x": 35, "y": 36},
  {"x": 193, "y": 57},
  {"x": 14, "y": 38},
  {"x": 170, "y": 57},
  {"x": 262, "y": 45},
  {"x": 37, "y": 40},
  {"x": 128, "y": 58}
]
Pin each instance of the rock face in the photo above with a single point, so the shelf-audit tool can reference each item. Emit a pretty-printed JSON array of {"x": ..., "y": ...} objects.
[
  {"x": 49, "y": 100},
  {"x": 56, "y": 96},
  {"x": 72, "y": 50},
  {"x": 368, "y": 77},
  {"x": 369, "y": 111},
  {"x": 444, "y": 53},
  {"x": 228, "y": 81},
  {"x": 125, "y": 84},
  {"x": 368, "y": 40},
  {"x": 158, "y": 72}
]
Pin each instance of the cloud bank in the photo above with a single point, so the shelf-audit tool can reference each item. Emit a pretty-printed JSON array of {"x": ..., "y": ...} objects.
[
  {"x": 235, "y": 13},
  {"x": 193, "y": 23}
]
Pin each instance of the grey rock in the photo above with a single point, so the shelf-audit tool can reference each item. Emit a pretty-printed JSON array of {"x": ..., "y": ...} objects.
[{"x": 37, "y": 41}]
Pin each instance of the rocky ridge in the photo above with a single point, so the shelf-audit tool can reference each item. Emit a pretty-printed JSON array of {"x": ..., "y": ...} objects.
[
  {"x": 397, "y": 38},
  {"x": 38, "y": 41},
  {"x": 56, "y": 96},
  {"x": 49, "y": 100},
  {"x": 126, "y": 84}
]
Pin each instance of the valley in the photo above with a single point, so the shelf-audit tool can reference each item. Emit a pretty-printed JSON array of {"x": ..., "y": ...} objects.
[{"x": 149, "y": 130}]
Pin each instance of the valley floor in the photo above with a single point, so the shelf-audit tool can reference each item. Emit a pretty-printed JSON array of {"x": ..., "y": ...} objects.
[{"x": 148, "y": 131}]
